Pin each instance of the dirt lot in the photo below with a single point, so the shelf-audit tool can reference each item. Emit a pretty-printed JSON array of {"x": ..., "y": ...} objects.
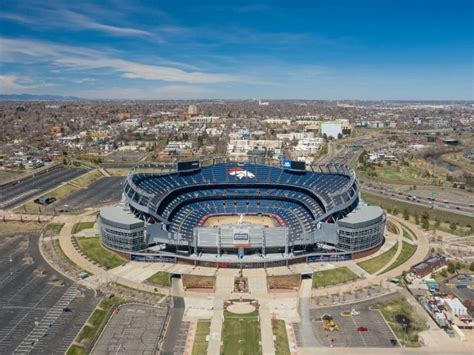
[
  {"x": 263, "y": 220},
  {"x": 283, "y": 282},
  {"x": 194, "y": 281}
]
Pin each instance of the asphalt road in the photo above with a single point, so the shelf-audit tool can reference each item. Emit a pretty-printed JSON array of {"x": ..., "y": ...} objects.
[
  {"x": 104, "y": 190},
  {"x": 32, "y": 298},
  {"x": 171, "y": 343},
  {"x": 462, "y": 209},
  {"x": 21, "y": 192}
]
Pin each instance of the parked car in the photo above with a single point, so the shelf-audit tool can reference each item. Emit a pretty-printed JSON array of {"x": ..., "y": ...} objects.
[
  {"x": 362, "y": 329},
  {"x": 45, "y": 200}
]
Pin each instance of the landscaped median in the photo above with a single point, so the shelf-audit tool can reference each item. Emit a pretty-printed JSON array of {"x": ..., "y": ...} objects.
[
  {"x": 333, "y": 277},
  {"x": 161, "y": 278},
  {"x": 377, "y": 263},
  {"x": 282, "y": 346},
  {"x": 201, "y": 337},
  {"x": 94, "y": 325},
  {"x": 406, "y": 253},
  {"x": 93, "y": 249}
]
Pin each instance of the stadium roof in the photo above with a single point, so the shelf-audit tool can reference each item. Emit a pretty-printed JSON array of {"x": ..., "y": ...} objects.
[
  {"x": 361, "y": 216},
  {"x": 121, "y": 217}
]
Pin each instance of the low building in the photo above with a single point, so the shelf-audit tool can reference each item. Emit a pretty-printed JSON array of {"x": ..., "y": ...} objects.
[
  {"x": 427, "y": 266},
  {"x": 455, "y": 307}
]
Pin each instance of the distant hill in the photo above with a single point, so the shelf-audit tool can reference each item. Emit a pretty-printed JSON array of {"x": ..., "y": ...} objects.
[{"x": 31, "y": 97}]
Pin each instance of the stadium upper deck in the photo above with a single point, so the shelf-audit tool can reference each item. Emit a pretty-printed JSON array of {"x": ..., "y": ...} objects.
[{"x": 307, "y": 202}]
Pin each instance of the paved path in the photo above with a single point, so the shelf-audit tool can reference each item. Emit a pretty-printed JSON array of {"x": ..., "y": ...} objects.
[{"x": 419, "y": 255}]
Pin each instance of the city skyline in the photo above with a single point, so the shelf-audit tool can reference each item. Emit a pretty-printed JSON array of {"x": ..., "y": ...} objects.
[{"x": 411, "y": 50}]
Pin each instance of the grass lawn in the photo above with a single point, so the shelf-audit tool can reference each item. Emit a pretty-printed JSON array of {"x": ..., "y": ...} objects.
[
  {"x": 407, "y": 234},
  {"x": 411, "y": 175},
  {"x": 94, "y": 250},
  {"x": 117, "y": 171},
  {"x": 406, "y": 253},
  {"x": 61, "y": 192},
  {"x": 202, "y": 331},
  {"x": 161, "y": 278},
  {"x": 375, "y": 264},
  {"x": 81, "y": 226},
  {"x": 54, "y": 228},
  {"x": 10, "y": 228},
  {"x": 332, "y": 277},
  {"x": 241, "y": 333},
  {"x": 75, "y": 350},
  {"x": 281, "y": 338},
  {"x": 88, "y": 178},
  {"x": 402, "y": 307}
]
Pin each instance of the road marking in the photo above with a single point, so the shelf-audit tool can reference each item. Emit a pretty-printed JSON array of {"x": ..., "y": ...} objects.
[{"x": 30, "y": 192}]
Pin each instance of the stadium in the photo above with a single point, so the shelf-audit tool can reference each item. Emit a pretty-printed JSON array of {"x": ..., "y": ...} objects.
[{"x": 257, "y": 213}]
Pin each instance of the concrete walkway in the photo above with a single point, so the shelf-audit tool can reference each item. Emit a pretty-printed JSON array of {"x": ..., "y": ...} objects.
[{"x": 419, "y": 255}]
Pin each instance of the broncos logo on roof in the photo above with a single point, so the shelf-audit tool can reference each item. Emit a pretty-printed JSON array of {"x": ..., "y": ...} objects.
[{"x": 241, "y": 173}]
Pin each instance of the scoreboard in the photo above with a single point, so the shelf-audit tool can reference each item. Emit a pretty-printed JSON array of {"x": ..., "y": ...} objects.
[
  {"x": 187, "y": 165},
  {"x": 294, "y": 165}
]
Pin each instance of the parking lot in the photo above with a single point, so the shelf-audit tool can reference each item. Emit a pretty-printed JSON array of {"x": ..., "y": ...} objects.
[
  {"x": 32, "y": 301},
  {"x": 102, "y": 191},
  {"x": 378, "y": 333},
  {"x": 21, "y": 192},
  {"x": 133, "y": 329}
]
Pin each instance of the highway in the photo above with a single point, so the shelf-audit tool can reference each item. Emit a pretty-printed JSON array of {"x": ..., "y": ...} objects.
[{"x": 451, "y": 206}]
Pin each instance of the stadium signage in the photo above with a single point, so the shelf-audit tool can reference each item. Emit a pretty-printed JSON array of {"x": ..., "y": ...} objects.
[{"x": 240, "y": 173}]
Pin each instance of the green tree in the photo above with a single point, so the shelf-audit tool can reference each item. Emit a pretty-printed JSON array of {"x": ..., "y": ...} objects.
[
  {"x": 406, "y": 216},
  {"x": 425, "y": 224},
  {"x": 444, "y": 273},
  {"x": 451, "y": 268},
  {"x": 471, "y": 266},
  {"x": 395, "y": 211},
  {"x": 417, "y": 219},
  {"x": 452, "y": 226}
]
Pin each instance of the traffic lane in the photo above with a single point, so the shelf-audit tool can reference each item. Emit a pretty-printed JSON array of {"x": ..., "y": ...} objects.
[
  {"x": 23, "y": 191},
  {"x": 464, "y": 211},
  {"x": 172, "y": 334},
  {"x": 419, "y": 195}
]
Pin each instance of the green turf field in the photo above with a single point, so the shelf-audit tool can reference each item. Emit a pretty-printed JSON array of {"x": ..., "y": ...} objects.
[{"x": 241, "y": 334}]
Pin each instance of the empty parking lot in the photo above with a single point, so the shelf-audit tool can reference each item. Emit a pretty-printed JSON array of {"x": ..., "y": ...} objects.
[
  {"x": 32, "y": 299},
  {"x": 105, "y": 190},
  {"x": 15, "y": 195}
]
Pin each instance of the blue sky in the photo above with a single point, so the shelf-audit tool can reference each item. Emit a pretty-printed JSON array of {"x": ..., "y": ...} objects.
[{"x": 377, "y": 49}]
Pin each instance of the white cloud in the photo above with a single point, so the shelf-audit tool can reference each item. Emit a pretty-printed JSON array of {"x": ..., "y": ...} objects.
[
  {"x": 9, "y": 83},
  {"x": 80, "y": 58},
  {"x": 60, "y": 18},
  {"x": 84, "y": 22},
  {"x": 12, "y": 83}
]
